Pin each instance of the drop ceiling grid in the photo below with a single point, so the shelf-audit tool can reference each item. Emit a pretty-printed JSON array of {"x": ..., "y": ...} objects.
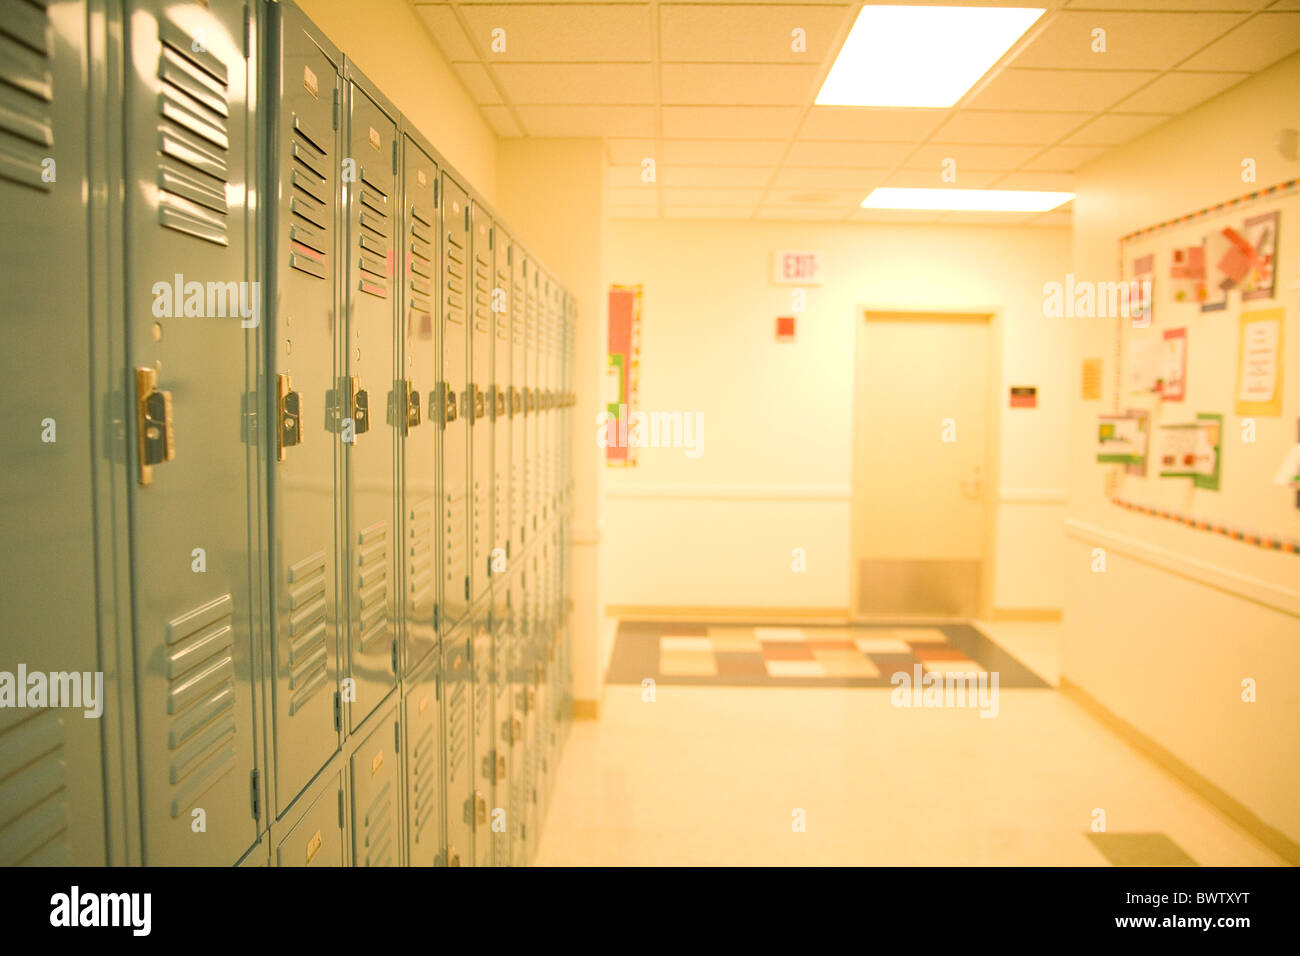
[{"x": 719, "y": 123}]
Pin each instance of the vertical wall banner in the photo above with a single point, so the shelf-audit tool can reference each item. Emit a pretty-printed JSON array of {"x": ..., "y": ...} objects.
[
  {"x": 1259, "y": 362},
  {"x": 1173, "y": 381},
  {"x": 1141, "y": 291},
  {"x": 623, "y": 371},
  {"x": 1261, "y": 233}
]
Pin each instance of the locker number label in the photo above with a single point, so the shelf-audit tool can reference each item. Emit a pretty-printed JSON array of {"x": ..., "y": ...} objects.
[
  {"x": 424, "y": 703},
  {"x": 313, "y": 845},
  {"x": 310, "y": 82},
  {"x": 375, "y": 141},
  {"x": 376, "y": 763}
]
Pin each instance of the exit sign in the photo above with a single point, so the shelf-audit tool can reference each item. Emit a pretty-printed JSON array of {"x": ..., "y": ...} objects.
[{"x": 796, "y": 267}]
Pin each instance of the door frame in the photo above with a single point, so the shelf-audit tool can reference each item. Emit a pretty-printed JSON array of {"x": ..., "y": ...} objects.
[{"x": 992, "y": 316}]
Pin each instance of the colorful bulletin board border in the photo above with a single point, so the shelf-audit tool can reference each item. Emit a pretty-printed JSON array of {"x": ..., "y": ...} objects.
[{"x": 1268, "y": 542}]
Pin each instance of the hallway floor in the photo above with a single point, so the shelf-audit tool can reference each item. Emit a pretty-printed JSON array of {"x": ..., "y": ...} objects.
[{"x": 717, "y": 775}]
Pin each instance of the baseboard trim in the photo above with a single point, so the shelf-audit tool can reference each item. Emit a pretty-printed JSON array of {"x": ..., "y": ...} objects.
[
  {"x": 726, "y": 614},
  {"x": 1026, "y": 614},
  {"x": 586, "y": 709},
  {"x": 1232, "y": 808}
]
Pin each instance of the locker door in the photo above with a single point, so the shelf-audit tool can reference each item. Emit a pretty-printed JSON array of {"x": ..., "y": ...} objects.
[
  {"x": 453, "y": 384},
  {"x": 303, "y": 240},
  {"x": 458, "y": 686},
  {"x": 545, "y": 352},
  {"x": 542, "y": 675},
  {"x": 518, "y": 355},
  {"x": 376, "y": 785},
  {"x": 483, "y": 744},
  {"x": 424, "y": 767},
  {"x": 317, "y": 838},
  {"x": 480, "y": 419},
  {"x": 48, "y": 816},
  {"x": 532, "y": 470},
  {"x": 187, "y": 175},
  {"x": 418, "y": 387},
  {"x": 519, "y": 812},
  {"x": 499, "y": 399},
  {"x": 501, "y": 726},
  {"x": 368, "y": 395}
]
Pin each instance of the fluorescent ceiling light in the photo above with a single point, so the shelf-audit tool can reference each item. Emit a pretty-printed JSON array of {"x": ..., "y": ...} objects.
[
  {"x": 920, "y": 56},
  {"x": 972, "y": 200}
]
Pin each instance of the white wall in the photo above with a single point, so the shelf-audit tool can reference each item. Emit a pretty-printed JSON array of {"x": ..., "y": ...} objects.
[
  {"x": 1180, "y": 617},
  {"x": 776, "y": 469}
]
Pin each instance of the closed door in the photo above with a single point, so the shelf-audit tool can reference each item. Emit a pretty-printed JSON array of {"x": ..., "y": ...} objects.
[{"x": 919, "y": 463}]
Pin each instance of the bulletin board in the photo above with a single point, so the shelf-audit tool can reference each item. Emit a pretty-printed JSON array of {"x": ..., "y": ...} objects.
[{"x": 1213, "y": 368}]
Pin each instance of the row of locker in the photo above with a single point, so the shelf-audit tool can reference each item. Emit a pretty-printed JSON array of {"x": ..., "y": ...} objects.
[{"x": 289, "y": 414}]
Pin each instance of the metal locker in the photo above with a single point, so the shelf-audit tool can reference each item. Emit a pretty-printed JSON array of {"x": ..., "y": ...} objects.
[
  {"x": 369, "y": 408},
  {"x": 532, "y": 343},
  {"x": 519, "y": 811},
  {"x": 518, "y": 378},
  {"x": 478, "y": 395},
  {"x": 192, "y": 314},
  {"x": 482, "y": 746},
  {"x": 499, "y": 409},
  {"x": 545, "y": 375},
  {"x": 424, "y": 800},
  {"x": 302, "y": 239},
  {"x": 458, "y": 692},
  {"x": 376, "y": 794},
  {"x": 453, "y": 386},
  {"x": 537, "y": 700},
  {"x": 420, "y": 398},
  {"x": 316, "y": 839},
  {"x": 52, "y": 381},
  {"x": 502, "y": 724}
]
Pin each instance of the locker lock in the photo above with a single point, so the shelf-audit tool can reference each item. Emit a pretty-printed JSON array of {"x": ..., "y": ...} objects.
[
  {"x": 501, "y": 768},
  {"x": 153, "y": 411},
  {"x": 358, "y": 406},
  {"x": 404, "y": 407},
  {"x": 480, "y": 809},
  {"x": 516, "y": 404},
  {"x": 480, "y": 410},
  {"x": 448, "y": 404},
  {"x": 530, "y": 400},
  {"x": 288, "y": 408},
  {"x": 453, "y": 856},
  {"x": 498, "y": 403}
]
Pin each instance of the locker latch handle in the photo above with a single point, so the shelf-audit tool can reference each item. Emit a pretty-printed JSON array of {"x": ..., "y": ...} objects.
[
  {"x": 499, "y": 402},
  {"x": 448, "y": 404},
  {"x": 288, "y": 415},
  {"x": 407, "y": 413},
  {"x": 480, "y": 410},
  {"x": 480, "y": 809},
  {"x": 154, "y": 432},
  {"x": 358, "y": 406},
  {"x": 501, "y": 767},
  {"x": 515, "y": 403},
  {"x": 453, "y": 856}
]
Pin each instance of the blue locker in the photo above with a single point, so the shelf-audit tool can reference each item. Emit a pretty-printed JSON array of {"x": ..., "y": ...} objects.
[
  {"x": 419, "y": 398},
  {"x": 188, "y": 168},
  {"x": 49, "y": 815},
  {"x": 369, "y": 413},
  {"x": 303, "y": 237}
]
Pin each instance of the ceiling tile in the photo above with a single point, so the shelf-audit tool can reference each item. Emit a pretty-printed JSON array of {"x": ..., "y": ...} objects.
[
  {"x": 733, "y": 83},
  {"x": 446, "y": 31},
  {"x": 921, "y": 217},
  {"x": 632, "y": 212},
  {"x": 929, "y": 179},
  {"x": 739, "y": 122},
  {"x": 1179, "y": 92},
  {"x": 1076, "y": 90},
  {"x": 723, "y": 152},
  {"x": 1134, "y": 41},
  {"x": 1258, "y": 43},
  {"x": 799, "y": 177},
  {"x": 1112, "y": 129},
  {"x": 568, "y": 33},
  {"x": 479, "y": 84},
  {"x": 597, "y": 121},
  {"x": 1172, "y": 5},
  {"x": 1026, "y": 179},
  {"x": 709, "y": 212},
  {"x": 841, "y": 199},
  {"x": 992, "y": 126},
  {"x": 625, "y": 152},
  {"x": 860, "y": 155},
  {"x": 748, "y": 33},
  {"x": 691, "y": 196},
  {"x": 1064, "y": 159},
  {"x": 1053, "y": 218},
  {"x": 964, "y": 218},
  {"x": 632, "y": 195},
  {"x": 780, "y": 211},
  {"x": 577, "y": 83},
  {"x": 501, "y": 121},
  {"x": 933, "y": 156},
  {"x": 716, "y": 176},
  {"x": 865, "y": 123}
]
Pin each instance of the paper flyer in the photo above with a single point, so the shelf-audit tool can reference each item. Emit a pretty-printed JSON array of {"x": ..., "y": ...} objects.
[{"x": 1259, "y": 363}]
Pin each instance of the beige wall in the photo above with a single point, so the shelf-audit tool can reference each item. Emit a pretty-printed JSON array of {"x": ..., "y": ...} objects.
[
  {"x": 1180, "y": 617},
  {"x": 553, "y": 195},
  {"x": 775, "y": 473},
  {"x": 389, "y": 43}
]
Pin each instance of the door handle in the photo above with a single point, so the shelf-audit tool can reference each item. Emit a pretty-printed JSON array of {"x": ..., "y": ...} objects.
[
  {"x": 156, "y": 441},
  {"x": 288, "y": 408}
]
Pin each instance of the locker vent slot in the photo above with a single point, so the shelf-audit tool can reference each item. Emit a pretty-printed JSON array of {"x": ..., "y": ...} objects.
[
  {"x": 456, "y": 544},
  {"x": 311, "y": 217},
  {"x": 482, "y": 295},
  {"x": 424, "y": 782},
  {"x": 454, "y": 280},
  {"x": 308, "y": 648},
  {"x": 378, "y": 824},
  {"x": 372, "y": 239},
  {"x": 200, "y": 666},
  {"x": 33, "y": 788},
  {"x": 26, "y": 92},
  {"x": 372, "y": 588},
  {"x": 194, "y": 138},
  {"x": 420, "y": 558},
  {"x": 458, "y": 736}
]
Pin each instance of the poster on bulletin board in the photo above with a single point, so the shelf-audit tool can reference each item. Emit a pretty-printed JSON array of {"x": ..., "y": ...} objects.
[{"x": 1259, "y": 363}]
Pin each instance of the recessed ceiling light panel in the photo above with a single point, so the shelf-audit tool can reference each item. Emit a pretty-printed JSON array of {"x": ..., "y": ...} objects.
[
  {"x": 920, "y": 56},
  {"x": 966, "y": 200}
]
